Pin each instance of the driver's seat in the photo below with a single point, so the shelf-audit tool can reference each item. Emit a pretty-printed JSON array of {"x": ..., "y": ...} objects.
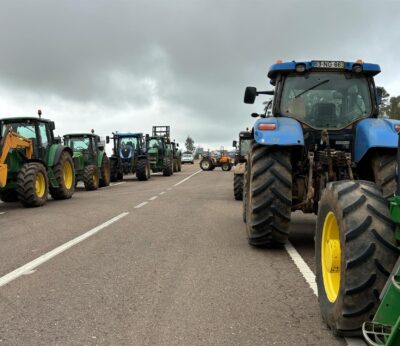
[{"x": 325, "y": 115}]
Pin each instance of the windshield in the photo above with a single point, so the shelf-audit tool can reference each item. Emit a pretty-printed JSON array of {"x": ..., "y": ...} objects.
[
  {"x": 128, "y": 141},
  {"x": 24, "y": 129},
  {"x": 326, "y": 99},
  {"x": 154, "y": 143},
  {"x": 245, "y": 146},
  {"x": 79, "y": 143}
]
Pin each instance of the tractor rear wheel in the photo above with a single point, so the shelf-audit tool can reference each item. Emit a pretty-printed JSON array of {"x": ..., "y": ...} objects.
[
  {"x": 244, "y": 200},
  {"x": 175, "y": 165},
  {"x": 206, "y": 165},
  {"x": 91, "y": 178},
  {"x": 384, "y": 168},
  {"x": 179, "y": 165},
  {"x": 105, "y": 172},
  {"x": 113, "y": 170},
  {"x": 355, "y": 250},
  {"x": 268, "y": 196},
  {"x": 8, "y": 196},
  {"x": 168, "y": 169},
  {"x": 143, "y": 170},
  {"x": 64, "y": 173},
  {"x": 32, "y": 185},
  {"x": 238, "y": 186}
]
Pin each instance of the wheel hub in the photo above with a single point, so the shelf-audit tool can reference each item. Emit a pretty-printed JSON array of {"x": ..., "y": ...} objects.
[{"x": 332, "y": 257}]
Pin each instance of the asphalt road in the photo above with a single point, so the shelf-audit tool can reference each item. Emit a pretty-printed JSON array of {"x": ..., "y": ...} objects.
[{"x": 172, "y": 267}]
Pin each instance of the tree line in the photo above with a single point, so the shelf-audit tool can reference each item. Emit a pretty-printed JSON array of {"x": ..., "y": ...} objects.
[{"x": 390, "y": 106}]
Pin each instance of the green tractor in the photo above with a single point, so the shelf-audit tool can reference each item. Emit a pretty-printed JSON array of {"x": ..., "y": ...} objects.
[
  {"x": 159, "y": 151},
  {"x": 177, "y": 156},
  {"x": 33, "y": 163},
  {"x": 92, "y": 165}
]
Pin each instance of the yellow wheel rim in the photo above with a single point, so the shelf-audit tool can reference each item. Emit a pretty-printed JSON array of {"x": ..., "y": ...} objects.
[
  {"x": 40, "y": 185},
  {"x": 68, "y": 175},
  {"x": 331, "y": 257}
]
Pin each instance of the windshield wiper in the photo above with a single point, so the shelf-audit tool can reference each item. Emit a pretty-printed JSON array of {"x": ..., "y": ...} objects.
[{"x": 313, "y": 87}]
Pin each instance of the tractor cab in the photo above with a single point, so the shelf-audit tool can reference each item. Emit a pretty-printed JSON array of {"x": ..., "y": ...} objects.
[
  {"x": 242, "y": 148},
  {"x": 127, "y": 145},
  {"x": 84, "y": 144},
  {"x": 328, "y": 99},
  {"x": 39, "y": 131}
]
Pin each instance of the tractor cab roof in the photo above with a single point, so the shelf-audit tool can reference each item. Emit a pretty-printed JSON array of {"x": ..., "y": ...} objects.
[
  {"x": 24, "y": 119},
  {"x": 77, "y": 135},
  {"x": 127, "y": 134},
  {"x": 245, "y": 134},
  {"x": 358, "y": 66}
]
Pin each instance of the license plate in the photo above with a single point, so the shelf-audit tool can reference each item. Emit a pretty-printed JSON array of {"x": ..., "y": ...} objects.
[{"x": 328, "y": 64}]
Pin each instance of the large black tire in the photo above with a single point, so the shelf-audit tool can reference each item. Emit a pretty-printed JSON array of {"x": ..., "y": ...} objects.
[
  {"x": 143, "y": 170},
  {"x": 268, "y": 196},
  {"x": 238, "y": 186},
  {"x": 206, "y": 164},
  {"x": 105, "y": 172},
  {"x": 32, "y": 185},
  {"x": 9, "y": 196},
  {"x": 113, "y": 170},
  {"x": 384, "y": 169},
  {"x": 179, "y": 165},
  {"x": 91, "y": 178},
  {"x": 175, "y": 165},
  {"x": 65, "y": 178},
  {"x": 366, "y": 255},
  {"x": 244, "y": 200},
  {"x": 168, "y": 167},
  {"x": 226, "y": 167}
]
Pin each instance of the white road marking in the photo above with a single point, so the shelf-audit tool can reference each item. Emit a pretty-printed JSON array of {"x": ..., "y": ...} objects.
[
  {"x": 30, "y": 266},
  {"x": 3, "y": 212},
  {"x": 153, "y": 198},
  {"x": 141, "y": 205},
  {"x": 182, "y": 181},
  {"x": 115, "y": 184},
  {"x": 161, "y": 193},
  {"x": 310, "y": 279}
]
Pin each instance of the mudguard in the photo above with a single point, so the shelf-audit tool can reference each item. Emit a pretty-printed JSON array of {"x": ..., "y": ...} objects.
[
  {"x": 55, "y": 152},
  {"x": 288, "y": 132},
  {"x": 240, "y": 168},
  {"x": 374, "y": 133},
  {"x": 100, "y": 156}
]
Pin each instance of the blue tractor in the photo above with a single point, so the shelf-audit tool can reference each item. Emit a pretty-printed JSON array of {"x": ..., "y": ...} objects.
[
  {"x": 321, "y": 147},
  {"x": 129, "y": 156}
]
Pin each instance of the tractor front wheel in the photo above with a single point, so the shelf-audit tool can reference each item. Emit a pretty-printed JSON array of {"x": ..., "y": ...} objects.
[
  {"x": 238, "y": 186},
  {"x": 206, "y": 165},
  {"x": 32, "y": 185},
  {"x": 268, "y": 196},
  {"x": 65, "y": 176},
  {"x": 226, "y": 167},
  {"x": 91, "y": 178},
  {"x": 143, "y": 170},
  {"x": 355, "y": 250},
  {"x": 105, "y": 172}
]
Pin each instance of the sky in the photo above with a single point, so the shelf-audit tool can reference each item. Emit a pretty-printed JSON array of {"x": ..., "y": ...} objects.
[{"x": 127, "y": 65}]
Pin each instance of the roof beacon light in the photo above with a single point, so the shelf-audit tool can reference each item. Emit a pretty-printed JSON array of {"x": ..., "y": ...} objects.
[
  {"x": 267, "y": 127},
  {"x": 361, "y": 61},
  {"x": 279, "y": 61}
]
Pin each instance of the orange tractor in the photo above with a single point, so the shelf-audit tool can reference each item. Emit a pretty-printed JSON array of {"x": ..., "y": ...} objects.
[{"x": 209, "y": 162}]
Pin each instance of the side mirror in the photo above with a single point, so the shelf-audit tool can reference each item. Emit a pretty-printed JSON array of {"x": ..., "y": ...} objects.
[
  {"x": 107, "y": 139},
  {"x": 250, "y": 95},
  {"x": 234, "y": 144},
  {"x": 255, "y": 115},
  {"x": 379, "y": 95},
  {"x": 177, "y": 144},
  {"x": 52, "y": 125}
]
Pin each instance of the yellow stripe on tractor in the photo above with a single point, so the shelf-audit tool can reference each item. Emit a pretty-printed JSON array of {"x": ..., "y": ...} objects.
[{"x": 12, "y": 140}]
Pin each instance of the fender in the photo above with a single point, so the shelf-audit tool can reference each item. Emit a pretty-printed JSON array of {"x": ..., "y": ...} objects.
[
  {"x": 100, "y": 156},
  {"x": 55, "y": 152},
  {"x": 287, "y": 132},
  {"x": 374, "y": 133}
]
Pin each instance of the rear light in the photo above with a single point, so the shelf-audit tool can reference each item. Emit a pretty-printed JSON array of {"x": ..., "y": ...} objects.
[
  {"x": 397, "y": 127},
  {"x": 267, "y": 127}
]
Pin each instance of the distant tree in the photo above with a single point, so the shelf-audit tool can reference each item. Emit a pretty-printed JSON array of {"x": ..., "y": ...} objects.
[
  {"x": 385, "y": 103},
  {"x": 189, "y": 144},
  {"x": 394, "y": 107}
]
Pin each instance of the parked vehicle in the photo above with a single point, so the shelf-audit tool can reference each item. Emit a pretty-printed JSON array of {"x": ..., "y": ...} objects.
[{"x": 187, "y": 158}]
